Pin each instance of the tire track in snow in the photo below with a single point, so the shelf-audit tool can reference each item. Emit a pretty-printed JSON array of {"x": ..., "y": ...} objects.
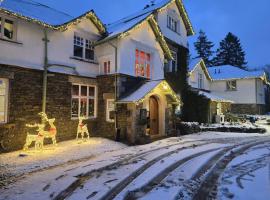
[
  {"x": 209, "y": 184},
  {"x": 82, "y": 178},
  {"x": 110, "y": 195},
  {"x": 139, "y": 193}
]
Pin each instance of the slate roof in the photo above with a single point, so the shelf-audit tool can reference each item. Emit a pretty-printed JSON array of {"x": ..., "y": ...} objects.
[{"x": 228, "y": 72}]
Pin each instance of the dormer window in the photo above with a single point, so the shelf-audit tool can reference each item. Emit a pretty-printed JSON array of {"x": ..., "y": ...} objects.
[
  {"x": 83, "y": 48},
  {"x": 7, "y": 29}
]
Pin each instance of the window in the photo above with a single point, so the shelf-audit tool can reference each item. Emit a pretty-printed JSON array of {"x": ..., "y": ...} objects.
[
  {"x": 107, "y": 67},
  {"x": 219, "y": 108},
  {"x": 3, "y": 100},
  {"x": 231, "y": 85},
  {"x": 171, "y": 66},
  {"x": 83, "y": 101},
  {"x": 83, "y": 48},
  {"x": 78, "y": 46},
  {"x": 89, "y": 50},
  {"x": 200, "y": 81},
  {"x": 110, "y": 107},
  {"x": 142, "y": 64},
  {"x": 172, "y": 23},
  {"x": 7, "y": 29}
]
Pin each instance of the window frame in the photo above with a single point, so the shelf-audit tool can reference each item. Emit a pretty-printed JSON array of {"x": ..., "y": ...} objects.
[
  {"x": 79, "y": 97},
  {"x": 6, "y": 98},
  {"x": 108, "y": 111},
  {"x": 107, "y": 68},
  {"x": 200, "y": 81},
  {"x": 2, "y": 33},
  {"x": 147, "y": 62},
  {"x": 86, "y": 45},
  {"x": 229, "y": 84},
  {"x": 173, "y": 23}
]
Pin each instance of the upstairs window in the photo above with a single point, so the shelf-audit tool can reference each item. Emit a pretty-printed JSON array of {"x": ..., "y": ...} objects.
[
  {"x": 171, "y": 66},
  {"x": 172, "y": 23},
  {"x": 7, "y": 29},
  {"x": 107, "y": 67},
  {"x": 231, "y": 85},
  {"x": 83, "y": 101},
  {"x": 83, "y": 48},
  {"x": 200, "y": 81},
  {"x": 3, "y": 100},
  {"x": 142, "y": 64},
  {"x": 89, "y": 50}
]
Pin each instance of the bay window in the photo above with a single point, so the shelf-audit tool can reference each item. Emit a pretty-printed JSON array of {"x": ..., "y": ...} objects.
[
  {"x": 83, "y": 48},
  {"x": 7, "y": 29},
  {"x": 3, "y": 100},
  {"x": 83, "y": 101},
  {"x": 142, "y": 64}
]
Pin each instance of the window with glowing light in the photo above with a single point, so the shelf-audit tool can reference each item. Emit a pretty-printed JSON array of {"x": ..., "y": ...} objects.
[
  {"x": 83, "y": 101},
  {"x": 143, "y": 64},
  {"x": 3, "y": 100},
  {"x": 7, "y": 28}
]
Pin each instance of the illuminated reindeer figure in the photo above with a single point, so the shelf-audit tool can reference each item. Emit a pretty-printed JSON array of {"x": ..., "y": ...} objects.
[
  {"x": 52, "y": 131},
  {"x": 82, "y": 129},
  {"x": 38, "y": 139}
]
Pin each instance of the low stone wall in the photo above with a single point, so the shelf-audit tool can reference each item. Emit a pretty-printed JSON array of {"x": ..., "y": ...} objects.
[{"x": 251, "y": 109}]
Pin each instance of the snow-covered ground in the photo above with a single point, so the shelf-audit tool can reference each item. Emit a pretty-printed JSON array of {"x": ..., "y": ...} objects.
[{"x": 173, "y": 168}]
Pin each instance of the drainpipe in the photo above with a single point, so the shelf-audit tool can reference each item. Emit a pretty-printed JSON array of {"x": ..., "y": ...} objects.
[
  {"x": 45, "y": 72},
  {"x": 117, "y": 131}
]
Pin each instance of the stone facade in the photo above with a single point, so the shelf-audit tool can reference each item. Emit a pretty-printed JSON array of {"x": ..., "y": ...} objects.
[
  {"x": 250, "y": 109},
  {"x": 25, "y": 99}
]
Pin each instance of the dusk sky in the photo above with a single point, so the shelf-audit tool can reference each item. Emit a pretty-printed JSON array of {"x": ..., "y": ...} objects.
[{"x": 248, "y": 20}]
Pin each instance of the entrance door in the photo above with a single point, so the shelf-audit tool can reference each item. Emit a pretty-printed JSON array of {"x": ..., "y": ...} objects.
[{"x": 154, "y": 117}]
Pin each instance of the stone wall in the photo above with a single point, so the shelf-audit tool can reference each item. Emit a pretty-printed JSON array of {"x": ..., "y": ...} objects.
[
  {"x": 25, "y": 99},
  {"x": 250, "y": 109}
]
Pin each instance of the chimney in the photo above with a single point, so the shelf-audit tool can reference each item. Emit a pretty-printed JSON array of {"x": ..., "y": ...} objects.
[
  {"x": 215, "y": 71},
  {"x": 219, "y": 71}
]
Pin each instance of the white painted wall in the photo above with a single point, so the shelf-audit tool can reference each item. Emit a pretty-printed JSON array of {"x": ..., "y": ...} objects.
[
  {"x": 179, "y": 38},
  {"x": 30, "y": 53},
  {"x": 260, "y": 91},
  {"x": 245, "y": 93},
  {"x": 145, "y": 40},
  {"x": 194, "y": 77}
]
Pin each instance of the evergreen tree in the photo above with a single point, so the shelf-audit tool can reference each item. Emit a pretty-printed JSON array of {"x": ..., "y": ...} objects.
[
  {"x": 230, "y": 52},
  {"x": 204, "y": 48}
]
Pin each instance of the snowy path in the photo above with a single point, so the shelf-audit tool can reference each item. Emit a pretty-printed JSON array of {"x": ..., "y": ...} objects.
[{"x": 168, "y": 168}]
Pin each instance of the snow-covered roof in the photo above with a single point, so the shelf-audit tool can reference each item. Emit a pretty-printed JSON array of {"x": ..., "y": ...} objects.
[
  {"x": 35, "y": 10},
  {"x": 228, "y": 72},
  {"x": 214, "y": 97},
  {"x": 152, "y": 9},
  {"x": 195, "y": 63},
  {"x": 146, "y": 89},
  {"x": 44, "y": 15}
]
